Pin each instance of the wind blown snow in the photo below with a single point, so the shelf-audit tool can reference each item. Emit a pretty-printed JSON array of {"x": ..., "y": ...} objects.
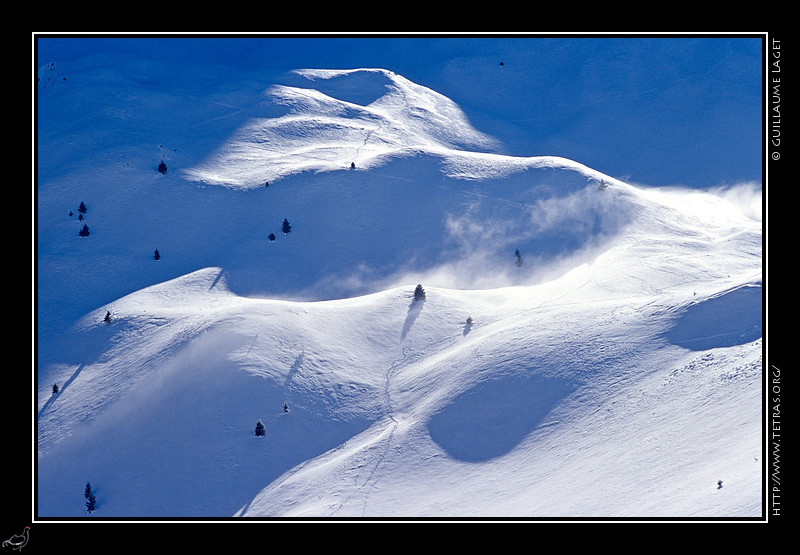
[{"x": 611, "y": 369}]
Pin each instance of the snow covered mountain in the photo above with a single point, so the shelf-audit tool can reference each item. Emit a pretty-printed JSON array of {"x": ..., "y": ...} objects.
[{"x": 587, "y": 347}]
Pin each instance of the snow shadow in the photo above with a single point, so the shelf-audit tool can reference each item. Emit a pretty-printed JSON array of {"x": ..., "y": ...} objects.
[
  {"x": 414, "y": 310},
  {"x": 734, "y": 318},
  {"x": 296, "y": 365},
  {"x": 493, "y": 417},
  {"x": 183, "y": 443}
]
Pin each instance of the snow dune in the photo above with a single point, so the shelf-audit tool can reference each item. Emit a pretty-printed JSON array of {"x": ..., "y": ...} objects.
[{"x": 615, "y": 373}]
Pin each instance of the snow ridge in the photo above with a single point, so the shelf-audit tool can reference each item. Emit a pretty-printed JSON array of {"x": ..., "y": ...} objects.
[
  {"x": 322, "y": 133},
  {"x": 593, "y": 379}
]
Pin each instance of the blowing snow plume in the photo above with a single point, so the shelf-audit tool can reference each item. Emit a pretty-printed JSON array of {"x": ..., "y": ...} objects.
[
  {"x": 601, "y": 370},
  {"x": 368, "y": 154}
]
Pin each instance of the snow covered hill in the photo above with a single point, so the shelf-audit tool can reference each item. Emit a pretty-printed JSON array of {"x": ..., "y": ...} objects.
[{"x": 586, "y": 348}]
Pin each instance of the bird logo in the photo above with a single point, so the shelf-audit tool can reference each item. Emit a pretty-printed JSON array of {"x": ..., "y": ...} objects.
[{"x": 18, "y": 541}]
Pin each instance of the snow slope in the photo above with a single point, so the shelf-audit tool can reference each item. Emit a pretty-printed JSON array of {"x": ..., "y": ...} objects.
[{"x": 615, "y": 373}]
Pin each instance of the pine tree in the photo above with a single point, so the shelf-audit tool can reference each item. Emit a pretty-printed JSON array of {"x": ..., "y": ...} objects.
[
  {"x": 285, "y": 227},
  {"x": 55, "y": 388},
  {"x": 84, "y": 232},
  {"x": 259, "y": 429},
  {"x": 271, "y": 236},
  {"x": 162, "y": 167},
  {"x": 91, "y": 501},
  {"x": 157, "y": 255},
  {"x": 419, "y": 293},
  {"x": 82, "y": 208},
  {"x": 107, "y": 319}
]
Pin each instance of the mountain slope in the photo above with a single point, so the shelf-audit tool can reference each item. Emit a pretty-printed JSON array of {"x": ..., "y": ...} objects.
[
  {"x": 386, "y": 116},
  {"x": 594, "y": 380}
]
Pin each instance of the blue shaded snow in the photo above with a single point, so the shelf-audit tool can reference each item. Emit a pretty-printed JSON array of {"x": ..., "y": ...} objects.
[
  {"x": 734, "y": 318},
  {"x": 492, "y": 418}
]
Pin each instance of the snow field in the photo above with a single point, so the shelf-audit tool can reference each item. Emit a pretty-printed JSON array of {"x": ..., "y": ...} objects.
[{"x": 596, "y": 379}]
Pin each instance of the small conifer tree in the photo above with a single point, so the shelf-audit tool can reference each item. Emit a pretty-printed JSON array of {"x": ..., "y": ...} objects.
[
  {"x": 259, "y": 429},
  {"x": 84, "y": 232},
  {"x": 162, "y": 167},
  {"x": 285, "y": 227},
  {"x": 419, "y": 293},
  {"x": 82, "y": 208},
  {"x": 91, "y": 501},
  {"x": 157, "y": 255}
]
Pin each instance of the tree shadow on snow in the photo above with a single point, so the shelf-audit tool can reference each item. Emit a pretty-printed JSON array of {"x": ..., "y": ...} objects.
[
  {"x": 414, "y": 310},
  {"x": 298, "y": 363}
]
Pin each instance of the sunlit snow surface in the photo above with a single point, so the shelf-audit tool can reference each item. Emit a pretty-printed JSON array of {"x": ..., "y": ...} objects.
[{"x": 615, "y": 373}]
